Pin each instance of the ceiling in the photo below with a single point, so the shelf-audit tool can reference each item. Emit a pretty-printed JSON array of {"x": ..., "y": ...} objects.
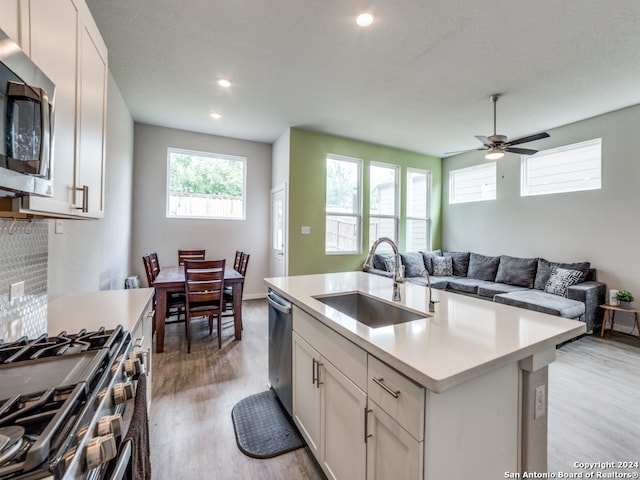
[{"x": 419, "y": 78}]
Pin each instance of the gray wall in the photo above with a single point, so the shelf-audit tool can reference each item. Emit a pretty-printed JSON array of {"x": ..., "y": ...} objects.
[
  {"x": 221, "y": 238},
  {"x": 95, "y": 254},
  {"x": 601, "y": 226}
]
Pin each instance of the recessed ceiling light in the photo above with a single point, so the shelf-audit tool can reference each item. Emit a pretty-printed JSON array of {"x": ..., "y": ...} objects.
[
  {"x": 216, "y": 116},
  {"x": 364, "y": 19},
  {"x": 223, "y": 82}
]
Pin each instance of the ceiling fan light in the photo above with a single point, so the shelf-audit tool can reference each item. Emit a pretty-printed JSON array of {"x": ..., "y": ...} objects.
[{"x": 494, "y": 154}]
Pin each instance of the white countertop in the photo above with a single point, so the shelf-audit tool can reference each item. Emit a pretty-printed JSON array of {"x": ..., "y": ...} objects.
[
  {"x": 92, "y": 310},
  {"x": 465, "y": 338}
]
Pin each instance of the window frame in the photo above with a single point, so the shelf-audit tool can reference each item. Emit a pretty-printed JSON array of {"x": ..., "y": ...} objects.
[
  {"x": 211, "y": 155},
  {"x": 525, "y": 162},
  {"x": 357, "y": 205},
  {"x": 427, "y": 219},
  {"x": 396, "y": 214},
  {"x": 453, "y": 200}
]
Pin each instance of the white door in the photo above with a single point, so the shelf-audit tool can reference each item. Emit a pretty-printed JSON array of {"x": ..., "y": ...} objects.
[
  {"x": 343, "y": 407},
  {"x": 391, "y": 451},
  {"x": 306, "y": 392},
  {"x": 278, "y": 231}
]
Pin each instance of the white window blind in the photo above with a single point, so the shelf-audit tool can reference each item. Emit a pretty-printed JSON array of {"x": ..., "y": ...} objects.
[
  {"x": 383, "y": 203},
  {"x": 571, "y": 168},
  {"x": 418, "y": 204},
  {"x": 473, "y": 184}
]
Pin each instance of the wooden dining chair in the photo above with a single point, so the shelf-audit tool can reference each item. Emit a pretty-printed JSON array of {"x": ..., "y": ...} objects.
[
  {"x": 190, "y": 255},
  {"x": 155, "y": 264},
  {"x": 228, "y": 292},
  {"x": 204, "y": 285},
  {"x": 237, "y": 260},
  {"x": 176, "y": 303}
]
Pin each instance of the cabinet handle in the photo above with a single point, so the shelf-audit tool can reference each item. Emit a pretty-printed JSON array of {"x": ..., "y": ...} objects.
[
  {"x": 366, "y": 424},
  {"x": 380, "y": 381},
  {"x": 138, "y": 342},
  {"x": 85, "y": 198},
  {"x": 318, "y": 382},
  {"x": 313, "y": 371},
  {"x": 151, "y": 314}
]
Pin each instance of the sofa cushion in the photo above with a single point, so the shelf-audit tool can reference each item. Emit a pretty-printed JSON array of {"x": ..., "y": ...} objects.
[
  {"x": 390, "y": 263},
  {"x": 517, "y": 271},
  {"x": 544, "y": 271},
  {"x": 491, "y": 289},
  {"x": 464, "y": 285},
  {"x": 439, "y": 283},
  {"x": 542, "y": 302},
  {"x": 427, "y": 258},
  {"x": 482, "y": 267},
  {"x": 413, "y": 264},
  {"x": 378, "y": 261},
  {"x": 442, "y": 266},
  {"x": 460, "y": 262},
  {"x": 561, "y": 279}
]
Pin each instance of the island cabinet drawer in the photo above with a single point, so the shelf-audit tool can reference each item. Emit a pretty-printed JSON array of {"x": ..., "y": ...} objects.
[
  {"x": 398, "y": 396},
  {"x": 346, "y": 356}
]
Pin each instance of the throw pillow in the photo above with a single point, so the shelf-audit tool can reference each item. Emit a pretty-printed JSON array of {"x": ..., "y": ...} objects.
[
  {"x": 389, "y": 263},
  {"x": 544, "y": 271},
  {"x": 482, "y": 267},
  {"x": 561, "y": 279},
  {"x": 413, "y": 264},
  {"x": 460, "y": 262},
  {"x": 428, "y": 257},
  {"x": 442, "y": 266},
  {"x": 517, "y": 271}
]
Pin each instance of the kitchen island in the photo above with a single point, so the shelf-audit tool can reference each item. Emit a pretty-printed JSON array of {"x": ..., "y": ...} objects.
[{"x": 459, "y": 393}]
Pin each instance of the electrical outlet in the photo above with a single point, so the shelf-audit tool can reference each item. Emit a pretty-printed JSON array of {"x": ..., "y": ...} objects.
[
  {"x": 541, "y": 402},
  {"x": 59, "y": 227},
  {"x": 16, "y": 291}
]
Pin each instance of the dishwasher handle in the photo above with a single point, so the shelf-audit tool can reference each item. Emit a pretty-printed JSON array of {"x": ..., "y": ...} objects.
[{"x": 275, "y": 302}]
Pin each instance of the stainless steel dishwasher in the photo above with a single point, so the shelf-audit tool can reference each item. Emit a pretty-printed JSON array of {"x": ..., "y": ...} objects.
[{"x": 280, "y": 348}]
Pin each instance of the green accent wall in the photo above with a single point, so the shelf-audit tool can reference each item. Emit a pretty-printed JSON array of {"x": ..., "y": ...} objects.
[{"x": 307, "y": 192}]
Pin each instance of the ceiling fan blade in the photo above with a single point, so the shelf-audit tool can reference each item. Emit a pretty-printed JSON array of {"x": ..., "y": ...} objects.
[
  {"x": 485, "y": 140},
  {"x": 521, "y": 151},
  {"x": 464, "y": 151},
  {"x": 530, "y": 138}
]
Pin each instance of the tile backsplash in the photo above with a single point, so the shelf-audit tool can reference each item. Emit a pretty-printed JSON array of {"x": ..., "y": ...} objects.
[{"x": 23, "y": 257}]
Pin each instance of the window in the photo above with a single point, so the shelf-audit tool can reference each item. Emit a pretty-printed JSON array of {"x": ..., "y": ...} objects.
[
  {"x": 205, "y": 185},
  {"x": 571, "y": 168},
  {"x": 473, "y": 184},
  {"x": 343, "y": 210},
  {"x": 383, "y": 203},
  {"x": 418, "y": 205}
]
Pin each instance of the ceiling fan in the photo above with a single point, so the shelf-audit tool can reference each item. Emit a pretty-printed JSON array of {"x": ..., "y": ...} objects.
[{"x": 498, "y": 144}]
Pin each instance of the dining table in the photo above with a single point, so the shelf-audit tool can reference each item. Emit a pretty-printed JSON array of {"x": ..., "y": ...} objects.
[{"x": 171, "y": 279}]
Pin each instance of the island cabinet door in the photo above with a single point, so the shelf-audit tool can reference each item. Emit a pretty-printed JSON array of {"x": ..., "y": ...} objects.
[
  {"x": 306, "y": 392},
  {"x": 391, "y": 451},
  {"x": 343, "y": 423}
]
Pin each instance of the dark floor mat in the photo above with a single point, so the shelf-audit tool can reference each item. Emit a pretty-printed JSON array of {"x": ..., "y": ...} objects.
[{"x": 263, "y": 428}]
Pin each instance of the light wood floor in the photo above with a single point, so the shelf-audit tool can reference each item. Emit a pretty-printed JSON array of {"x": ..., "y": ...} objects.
[{"x": 594, "y": 395}]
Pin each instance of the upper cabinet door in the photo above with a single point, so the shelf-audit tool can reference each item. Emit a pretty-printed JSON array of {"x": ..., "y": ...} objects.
[
  {"x": 54, "y": 45},
  {"x": 14, "y": 20},
  {"x": 91, "y": 120}
]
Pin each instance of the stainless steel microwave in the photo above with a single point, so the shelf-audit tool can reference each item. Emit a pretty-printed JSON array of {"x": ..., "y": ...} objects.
[{"x": 26, "y": 123}]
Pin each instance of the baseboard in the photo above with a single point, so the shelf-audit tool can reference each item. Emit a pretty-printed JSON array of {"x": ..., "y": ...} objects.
[{"x": 254, "y": 296}]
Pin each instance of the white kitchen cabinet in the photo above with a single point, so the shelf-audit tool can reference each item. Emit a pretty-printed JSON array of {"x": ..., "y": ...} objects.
[
  {"x": 391, "y": 451},
  {"x": 328, "y": 407},
  {"x": 66, "y": 44},
  {"x": 91, "y": 120},
  {"x": 14, "y": 21},
  {"x": 141, "y": 336}
]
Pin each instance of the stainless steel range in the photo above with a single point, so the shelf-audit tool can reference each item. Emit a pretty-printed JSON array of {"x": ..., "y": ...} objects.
[{"x": 63, "y": 401}]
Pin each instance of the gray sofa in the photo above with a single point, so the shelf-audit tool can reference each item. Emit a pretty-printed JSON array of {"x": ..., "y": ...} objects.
[{"x": 568, "y": 290}]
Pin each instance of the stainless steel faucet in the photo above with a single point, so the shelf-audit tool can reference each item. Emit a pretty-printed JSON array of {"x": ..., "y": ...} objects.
[
  {"x": 397, "y": 269},
  {"x": 432, "y": 303}
]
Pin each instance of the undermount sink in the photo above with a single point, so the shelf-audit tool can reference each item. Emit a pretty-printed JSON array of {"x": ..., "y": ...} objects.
[{"x": 368, "y": 310}]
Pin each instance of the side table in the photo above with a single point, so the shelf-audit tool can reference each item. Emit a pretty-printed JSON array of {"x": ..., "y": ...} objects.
[{"x": 614, "y": 308}]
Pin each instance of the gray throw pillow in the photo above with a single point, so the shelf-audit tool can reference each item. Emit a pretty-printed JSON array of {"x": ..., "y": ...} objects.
[
  {"x": 482, "y": 267},
  {"x": 460, "y": 262},
  {"x": 517, "y": 271},
  {"x": 561, "y": 279},
  {"x": 378, "y": 261},
  {"x": 389, "y": 263},
  {"x": 545, "y": 266},
  {"x": 413, "y": 264},
  {"x": 427, "y": 257},
  {"x": 442, "y": 266}
]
